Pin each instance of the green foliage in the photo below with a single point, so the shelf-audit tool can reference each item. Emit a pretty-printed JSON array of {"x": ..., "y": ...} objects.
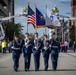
[
  {"x": 11, "y": 29},
  {"x": 31, "y": 35}
]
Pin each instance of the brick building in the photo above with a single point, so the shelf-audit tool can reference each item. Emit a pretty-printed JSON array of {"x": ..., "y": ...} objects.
[{"x": 73, "y": 23}]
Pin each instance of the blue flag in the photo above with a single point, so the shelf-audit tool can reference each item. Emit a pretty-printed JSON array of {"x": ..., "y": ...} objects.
[{"x": 40, "y": 20}]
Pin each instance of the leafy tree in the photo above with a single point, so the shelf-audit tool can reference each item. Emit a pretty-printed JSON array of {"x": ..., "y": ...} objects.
[
  {"x": 31, "y": 35},
  {"x": 12, "y": 29}
]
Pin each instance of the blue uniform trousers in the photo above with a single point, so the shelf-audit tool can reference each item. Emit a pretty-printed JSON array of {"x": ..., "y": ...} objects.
[
  {"x": 36, "y": 59},
  {"x": 54, "y": 59},
  {"x": 16, "y": 57},
  {"x": 27, "y": 59},
  {"x": 46, "y": 58}
]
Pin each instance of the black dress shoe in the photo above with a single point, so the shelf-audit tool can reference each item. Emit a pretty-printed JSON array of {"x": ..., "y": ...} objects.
[
  {"x": 16, "y": 70},
  {"x": 38, "y": 69},
  {"x": 54, "y": 69},
  {"x": 26, "y": 70},
  {"x": 46, "y": 69}
]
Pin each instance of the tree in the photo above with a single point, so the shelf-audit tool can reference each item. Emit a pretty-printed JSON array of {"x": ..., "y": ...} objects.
[
  {"x": 12, "y": 29},
  {"x": 31, "y": 35}
]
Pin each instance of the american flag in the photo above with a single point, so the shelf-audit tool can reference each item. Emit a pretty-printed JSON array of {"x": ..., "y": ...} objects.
[
  {"x": 31, "y": 20},
  {"x": 31, "y": 17}
]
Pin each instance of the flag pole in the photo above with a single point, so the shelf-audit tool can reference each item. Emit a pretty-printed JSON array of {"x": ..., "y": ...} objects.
[
  {"x": 45, "y": 30},
  {"x": 35, "y": 19},
  {"x": 36, "y": 30},
  {"x": 27, "y": 23},
  {"x": 27, "y": 28},
  {"x": 45, "y": 21}
]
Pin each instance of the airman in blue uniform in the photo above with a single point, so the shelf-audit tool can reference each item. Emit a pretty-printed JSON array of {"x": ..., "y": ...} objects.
[
  {"x": 36, "y": 51},
  {"x": 45, "y": 51},
  {"x": 54, "y": 47},
  {"x": 27, "y": 50},
  {"x": 16, "y": 51}
]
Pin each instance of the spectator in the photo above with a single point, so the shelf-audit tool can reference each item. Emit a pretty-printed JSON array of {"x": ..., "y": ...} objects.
[
  {"x": 66, "y": 46},
  {"x": 0, "y": 47},
  {"x": 74, "y": 46},
  {"x": 9, "y": 46},
  {"x": 4, "y": 46}
]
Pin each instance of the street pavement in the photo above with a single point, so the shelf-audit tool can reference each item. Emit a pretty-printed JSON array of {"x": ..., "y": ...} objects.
[{"x": 66, "y": 65}]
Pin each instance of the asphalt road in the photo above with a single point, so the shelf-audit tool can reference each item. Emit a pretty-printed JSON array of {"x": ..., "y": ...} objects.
[{"x": 66, "y": 65}]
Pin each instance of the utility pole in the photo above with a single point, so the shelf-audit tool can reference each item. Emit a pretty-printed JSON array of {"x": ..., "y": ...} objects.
[
  {"x": 62, "y": 29},
  {"x": 68, "y": 30}
]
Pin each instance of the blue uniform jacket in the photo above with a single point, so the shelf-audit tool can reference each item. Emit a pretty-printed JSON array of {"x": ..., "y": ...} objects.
[
  {"x": 16, "y": 47},
  {"x": 54, "y": 42},
  {"x": 36, "y": 51},
  {"x": 27, "y": 48},
  {"x": 46, "y": 45}
]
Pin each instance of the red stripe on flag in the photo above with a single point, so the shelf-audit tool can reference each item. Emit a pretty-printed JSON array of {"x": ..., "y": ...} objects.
[{"x": 31, "y": 20}]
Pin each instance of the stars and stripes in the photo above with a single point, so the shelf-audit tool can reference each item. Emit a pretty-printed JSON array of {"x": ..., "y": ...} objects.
[
  {"x": 31, "y": 20},
  {"x": 31, "y": 17}
]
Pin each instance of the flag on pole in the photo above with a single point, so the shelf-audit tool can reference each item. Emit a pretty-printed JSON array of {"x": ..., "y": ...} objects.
[
  {"x": 48, "y": 18},
  {"x": 31, "y": 17},
  {"x": 40, "y": 20},
  {"x": 51, "y": 19}
]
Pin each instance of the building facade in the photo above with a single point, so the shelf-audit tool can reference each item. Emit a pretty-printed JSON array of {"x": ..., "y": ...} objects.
[
  {"x": 73, "y": 23},
  {"x": 6, "y": 8}
]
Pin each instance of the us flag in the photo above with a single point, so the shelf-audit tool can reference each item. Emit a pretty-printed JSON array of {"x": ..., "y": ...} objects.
[{"x": 31, "y": 17}]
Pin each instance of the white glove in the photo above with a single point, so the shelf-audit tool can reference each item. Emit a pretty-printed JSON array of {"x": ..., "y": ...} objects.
[
  {"x": 12, "y": 47},
  {"x": 36, "y": 48},
  {"x": 25, "y": 44},
  {"x": 49, "y": 45},
  {"x": 45, "y": 48}
]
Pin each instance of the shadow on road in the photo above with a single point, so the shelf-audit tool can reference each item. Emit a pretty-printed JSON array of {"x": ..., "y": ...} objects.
[
  {"x": 66, "y": 70},
  {"x": 48, "y": 70}
]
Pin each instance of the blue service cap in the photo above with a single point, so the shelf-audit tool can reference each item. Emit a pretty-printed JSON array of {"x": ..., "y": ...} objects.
[{"x": 53, "y": 33}]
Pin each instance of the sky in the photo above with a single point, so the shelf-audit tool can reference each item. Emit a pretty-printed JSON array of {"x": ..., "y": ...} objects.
[{"x": 63, "y": 6}]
